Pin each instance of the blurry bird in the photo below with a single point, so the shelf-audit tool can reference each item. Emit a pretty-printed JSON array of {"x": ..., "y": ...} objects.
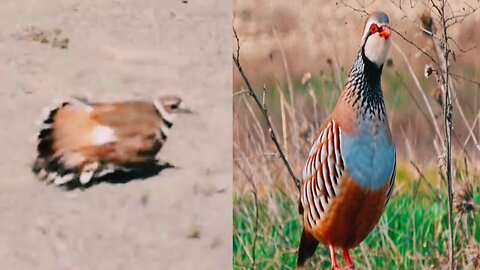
[
  {"x": 80, "y": 141},
  {"x": 350, "y": 172}
]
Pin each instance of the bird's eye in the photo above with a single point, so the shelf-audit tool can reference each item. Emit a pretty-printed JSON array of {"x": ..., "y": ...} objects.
[{"x": 373, "y": 28}]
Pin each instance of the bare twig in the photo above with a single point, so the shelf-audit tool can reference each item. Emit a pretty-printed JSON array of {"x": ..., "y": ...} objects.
[
  {"x": 422, "y": 176},
  {"x": 471, "y": 133},
  {"x": 465, "y": 50},
  {"x": 263, "y": 108},
  {"x": 464, "y": 78},
  {"x": 415, "y": 45},
  {"x": 362, "y": 10},
  {"x": 241, "y": 92},
  {"x": 443, "y": 51}
]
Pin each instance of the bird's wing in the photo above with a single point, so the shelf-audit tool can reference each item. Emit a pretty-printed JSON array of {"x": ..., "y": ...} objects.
[
  {"x": 322, "y": 173},
  {"x": 392, "y": 181},
  {"x": 138, "y": 129}
]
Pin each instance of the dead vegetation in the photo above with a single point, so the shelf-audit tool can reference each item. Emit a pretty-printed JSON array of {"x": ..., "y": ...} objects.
[{"x": 435, "y": 124}]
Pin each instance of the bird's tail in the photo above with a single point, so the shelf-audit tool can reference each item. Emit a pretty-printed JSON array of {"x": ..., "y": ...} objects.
[
  {"x": 308, "y": 245},
  {"x": 53, "y": 162}
]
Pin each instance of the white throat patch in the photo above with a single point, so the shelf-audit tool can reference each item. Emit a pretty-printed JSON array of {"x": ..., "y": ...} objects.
[{"x": 376, "y": 48}]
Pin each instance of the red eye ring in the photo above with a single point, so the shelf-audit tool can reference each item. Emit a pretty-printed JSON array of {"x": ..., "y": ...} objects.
[{"x": 373, "y": 28}]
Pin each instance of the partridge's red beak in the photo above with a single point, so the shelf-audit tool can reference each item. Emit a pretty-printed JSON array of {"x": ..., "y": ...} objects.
[{"x": 385, "y": 32}]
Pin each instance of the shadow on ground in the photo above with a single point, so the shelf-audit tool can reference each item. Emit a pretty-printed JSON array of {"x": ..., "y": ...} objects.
[{"x": 121, "y": 177}]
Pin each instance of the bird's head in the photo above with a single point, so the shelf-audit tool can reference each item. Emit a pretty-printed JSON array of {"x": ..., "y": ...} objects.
[
  {"x": 376, "y": 38},
  {"x": 169, "y": 106},
  {"x": 172, "y": 104}
]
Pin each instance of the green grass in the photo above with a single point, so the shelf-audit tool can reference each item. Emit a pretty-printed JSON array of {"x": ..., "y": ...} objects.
[{"x": 412, "y": 233}]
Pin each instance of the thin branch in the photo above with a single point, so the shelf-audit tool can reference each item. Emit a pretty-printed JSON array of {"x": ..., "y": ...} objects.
[
  {"x": 464, "y": 78},
  {"x": 415, "y": 45},
  {"x": 471, "y": 134},
  {"x": 422, "y": 176},
  {"x": 454, "y": 19},
  {"x": 464, "y": 50},
  {"x": 355, "y": 9},
  {"x": 263, "y": 108},
  {"x": 241, "y": 92},
  {"x": 443, "y": 53}
]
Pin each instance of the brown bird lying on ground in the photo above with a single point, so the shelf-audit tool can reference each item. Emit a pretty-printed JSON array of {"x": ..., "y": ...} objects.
[{"x": 81, "y": 141}]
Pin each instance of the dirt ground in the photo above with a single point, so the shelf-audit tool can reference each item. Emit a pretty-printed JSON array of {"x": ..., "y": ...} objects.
[{"x": 179, "y": 219}]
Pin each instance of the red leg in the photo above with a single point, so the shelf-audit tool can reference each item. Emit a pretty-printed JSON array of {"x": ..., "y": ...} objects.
[
  {"x": 333, "y": 257},
  {"x": 346, "y": 255}
]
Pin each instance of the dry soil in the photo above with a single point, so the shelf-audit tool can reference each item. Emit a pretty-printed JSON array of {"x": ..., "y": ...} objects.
[{"x": 105, "y": 51}]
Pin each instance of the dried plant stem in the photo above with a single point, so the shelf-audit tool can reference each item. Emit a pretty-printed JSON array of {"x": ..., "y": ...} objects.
[
  {"x": 255, "y": 198},
  {"x": 422, "y": 176},
  {"x": 465, "y": 121},
  {"x": 289, "y": 85},
  {"x": 284, "y": 120},
  {"x": 262, "y": 106},
  {"x": 443, "y": 52},
  {"x": 420, "y": 90}
]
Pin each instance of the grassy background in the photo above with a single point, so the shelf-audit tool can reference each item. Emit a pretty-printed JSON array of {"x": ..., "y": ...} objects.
[
  {"x": 301, "y": 52},
  {"x": 411, "y": 233}
]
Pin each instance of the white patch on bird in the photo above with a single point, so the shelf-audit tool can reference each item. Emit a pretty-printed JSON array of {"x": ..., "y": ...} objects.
[
  {"x": 326, "y": 174},
  {"x": 60, "y": 180},
  {"x": 163, "y": 112},
  {"x": 317, "y": 206},
  {"x": 51, "y": 176},
  {"x": 304, "y": 196},
  {"x": 165, "y": 130},
  {"x": 311, "y": 200},
  {"x": 310, "y": 220},
  {"x": 106, "y": 169},
  {"x": 335, "y": 187},
  {"x": 304, "y": 174},
  {"x": 88, "y": 172},
  {"x": 45, "y": 126},
  {"x": 376, "y": 49},
  {"x": 103, "y": 135},
  {"x": 324, "y": 203},
  {"x": 323, "y": 154}
]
